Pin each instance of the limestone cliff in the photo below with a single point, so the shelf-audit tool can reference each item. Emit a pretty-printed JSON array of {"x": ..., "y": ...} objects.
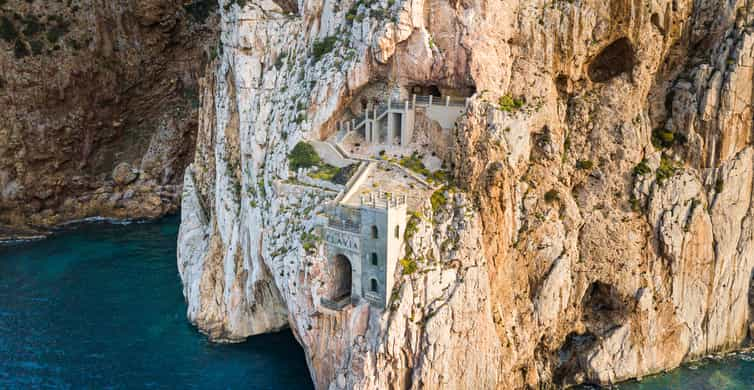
[
  {"x": 602, "y": 224},
  {"x": 86, "y": 86}
]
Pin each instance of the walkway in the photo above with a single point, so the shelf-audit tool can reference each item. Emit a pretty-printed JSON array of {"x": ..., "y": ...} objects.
[{"x": 330, "y": 155}]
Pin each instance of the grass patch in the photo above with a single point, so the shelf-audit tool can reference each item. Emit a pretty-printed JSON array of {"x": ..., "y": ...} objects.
[
  {"x": 415, "y": 164},
  {"x": 325, "y": 172}
]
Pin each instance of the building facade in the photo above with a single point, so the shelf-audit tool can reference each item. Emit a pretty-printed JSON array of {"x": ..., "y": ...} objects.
[{"x": 363, "y": 245}]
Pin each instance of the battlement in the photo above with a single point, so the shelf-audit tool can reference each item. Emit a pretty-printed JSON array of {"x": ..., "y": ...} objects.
[{"x": 383, "y": 200}]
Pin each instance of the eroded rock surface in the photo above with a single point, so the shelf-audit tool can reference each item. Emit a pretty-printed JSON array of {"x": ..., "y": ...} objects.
[
  {"x": 602, "y": 226},
  {"x": 87, "y": 85}
]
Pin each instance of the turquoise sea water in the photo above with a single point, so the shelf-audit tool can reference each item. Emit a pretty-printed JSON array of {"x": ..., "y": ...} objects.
[
  {"x": 100, "y": 306},
  {"x": 732, "y": 372}
]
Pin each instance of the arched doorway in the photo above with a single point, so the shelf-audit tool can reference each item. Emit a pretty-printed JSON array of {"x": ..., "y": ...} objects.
[{"x": 342, "y": 277}]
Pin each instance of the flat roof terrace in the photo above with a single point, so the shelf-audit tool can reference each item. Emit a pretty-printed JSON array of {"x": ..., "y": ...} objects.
[{"x": 391, "y": 178}]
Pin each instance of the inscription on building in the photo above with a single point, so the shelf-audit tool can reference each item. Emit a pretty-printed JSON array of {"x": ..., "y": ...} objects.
[{"x": 341, "y": 239}]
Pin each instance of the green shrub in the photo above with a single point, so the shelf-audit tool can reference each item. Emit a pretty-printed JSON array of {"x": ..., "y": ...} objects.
[
  {"x": 666, "y": 169},
  {"x": 323, "y": 46},
  {"x": 584, "y": 164},
  {"x": 20, "y": 50},
  {"x": 414, "y": 163},
  {"x": 36, "y": 47},
  {"x": 58, "y": 30},
  {"x": 8, "y": 31},
  {"x": 642, "y": 168},
  {"x": 200, "y": 9},
  {"x": 32, "y": 26},
  {"x": 635, "y": 204},
  {"x": 303, "y": 155},
  {"x": 409, "y": 265},
  {"x": 412, "y": 226},
  {"x": 438, "y": 199},
  {"x": 662, "y": 138},
  {"x": 552, "y": 196},
  {"x": 719, "y": 184},
  {"x": 325, "y": 172},
  {"x": 509, "y": 104}
]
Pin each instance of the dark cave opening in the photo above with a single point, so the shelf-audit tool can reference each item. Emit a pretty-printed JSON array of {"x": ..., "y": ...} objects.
[{"x": 614, "y": 60}]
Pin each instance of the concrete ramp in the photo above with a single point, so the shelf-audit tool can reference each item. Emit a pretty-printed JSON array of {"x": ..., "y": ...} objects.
[{"x": 330, "y": 155}]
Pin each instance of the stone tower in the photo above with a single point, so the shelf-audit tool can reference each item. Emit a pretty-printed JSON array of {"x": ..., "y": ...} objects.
[{"x": 363, "y": 247}]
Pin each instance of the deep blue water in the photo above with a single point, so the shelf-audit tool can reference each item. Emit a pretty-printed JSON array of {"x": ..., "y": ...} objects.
[{"x": 100, "y": 306}]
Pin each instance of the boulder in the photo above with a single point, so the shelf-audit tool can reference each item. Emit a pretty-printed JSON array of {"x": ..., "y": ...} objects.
[{"x": 124, "y": 174}]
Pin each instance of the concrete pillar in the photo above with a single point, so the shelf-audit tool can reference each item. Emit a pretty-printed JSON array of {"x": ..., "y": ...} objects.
[
  {"x": 430, "y": 101},
  {"x": 447, "y": 101},
  {"x": 404, "y": 126},
  {"x": 389, "y": 122},
  {"x": 375, "y": 125}
]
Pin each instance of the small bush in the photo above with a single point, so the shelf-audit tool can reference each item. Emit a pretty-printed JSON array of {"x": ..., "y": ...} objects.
[
  {"x": 303, "y": 155},
  {"x": 412, "y": 226},
  {"x": 57, "y": 31},
  {"x": 409, "y": 265},
  {"x": 415, "y": 164},
  {"x": 666, "y": 169},
  {"x": 642, "y": 168},
  {"x": 584, "y": 164},
  {"x": 20, "y": 50},
  {"x": 719, "y": 184},
  {"x": 323, "y": 46},
  {"x": 509, "y": 104},
  {"x": 8, "y": 31},
  {"x": 552, "y": 196},
  {"x": 200, "y": 9},
  {"x": 663, "y": 139},
  {"x": 635, "y": 204},
  {"x": 438, "y": 199}
]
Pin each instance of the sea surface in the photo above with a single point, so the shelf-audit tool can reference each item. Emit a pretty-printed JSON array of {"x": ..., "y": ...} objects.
[
  {"x": 99, "y": 305},
  {"x": 732, "y": 371}
]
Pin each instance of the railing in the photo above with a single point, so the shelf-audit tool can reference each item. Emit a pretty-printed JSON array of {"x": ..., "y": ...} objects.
[
  {"x": 420, "y": 101},
  {"x": 383, "y": 200},
  {"x": 343, "y": 224}
]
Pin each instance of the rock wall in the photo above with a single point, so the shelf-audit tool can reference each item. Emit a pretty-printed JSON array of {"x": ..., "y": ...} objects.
[
  {"x": 86, "y": 85},
  {"x": 601, "y": 228}
]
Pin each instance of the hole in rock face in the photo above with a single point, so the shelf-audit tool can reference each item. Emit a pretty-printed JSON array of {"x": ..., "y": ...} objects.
[
  {"x": 569, "y": 355},
  {"x": 603, "y": 307},
  {"x": 614, "y": 60},
  {"x": 425, "y": 90}
]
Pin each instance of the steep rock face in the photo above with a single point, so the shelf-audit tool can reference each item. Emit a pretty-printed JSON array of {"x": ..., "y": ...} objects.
[
  {"x": 605, "y": 166},
  {"x": 87, "y": 85}
]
